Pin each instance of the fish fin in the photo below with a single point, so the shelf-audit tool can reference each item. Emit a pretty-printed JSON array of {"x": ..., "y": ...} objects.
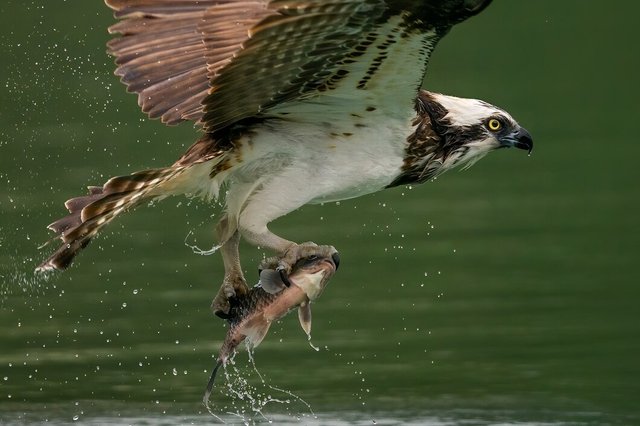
[
  {"x": 255, "y": 333},
  {"x": 304, "y": 315},
  {"x": 271, "y": 281}
]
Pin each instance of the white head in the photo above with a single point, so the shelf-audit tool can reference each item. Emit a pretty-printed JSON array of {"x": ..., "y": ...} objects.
[
  {"x": 476, "y": 123},
  {"x": 452, "y": 131}
]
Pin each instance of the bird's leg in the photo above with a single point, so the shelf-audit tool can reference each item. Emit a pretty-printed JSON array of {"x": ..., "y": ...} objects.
[{"x": 234, "y": 284}]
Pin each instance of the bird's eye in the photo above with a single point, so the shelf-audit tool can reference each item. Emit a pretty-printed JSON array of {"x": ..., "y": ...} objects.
[{"x": 494, "y": 124}]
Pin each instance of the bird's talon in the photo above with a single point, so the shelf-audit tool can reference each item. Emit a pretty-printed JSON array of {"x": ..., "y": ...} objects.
[
  {"x": 232, "y": 287},
  {"x": 222, "y": 314},
  {"x": 284, "y": 276}
]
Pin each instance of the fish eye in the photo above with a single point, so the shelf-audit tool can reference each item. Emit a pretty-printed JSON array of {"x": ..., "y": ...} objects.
[{"x": 494, "y": 124}]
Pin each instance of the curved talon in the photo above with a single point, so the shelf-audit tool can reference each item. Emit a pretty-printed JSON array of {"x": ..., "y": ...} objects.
[
  {"x": 336, "y": 259},
  {"x": 222, "y": 314},
  {"x": 283, "y": 275},
  {"x": 221, "y": 307},
  {"x": 228, "y": 314}
]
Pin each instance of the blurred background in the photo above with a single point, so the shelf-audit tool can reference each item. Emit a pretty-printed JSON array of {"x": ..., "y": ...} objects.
[{"x": 502, "y": 294}]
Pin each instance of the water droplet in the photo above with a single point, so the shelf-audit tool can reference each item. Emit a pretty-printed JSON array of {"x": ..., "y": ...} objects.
[
  {"x": 75, "y": 418},
  {"x": 124, "y": 304},
  {"x": 175, "y": 372}
]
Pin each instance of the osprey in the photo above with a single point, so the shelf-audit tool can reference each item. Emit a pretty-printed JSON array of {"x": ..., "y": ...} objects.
[{"x": 299, "y": 101}]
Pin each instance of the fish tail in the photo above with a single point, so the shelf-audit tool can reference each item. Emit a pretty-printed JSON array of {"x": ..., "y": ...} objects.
[{"x": 212, "y": 379}]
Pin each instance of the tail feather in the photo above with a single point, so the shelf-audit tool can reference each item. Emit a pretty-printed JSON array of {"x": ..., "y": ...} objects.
[{"x": 90, "y": 213}]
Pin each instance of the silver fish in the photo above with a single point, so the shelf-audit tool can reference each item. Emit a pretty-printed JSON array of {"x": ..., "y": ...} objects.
[{"x": 272, "y": 298}]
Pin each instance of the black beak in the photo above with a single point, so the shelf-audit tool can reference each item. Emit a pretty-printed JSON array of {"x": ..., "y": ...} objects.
[
  {"x": 336, "y": 259},
  {"x": 522, "y": 139}
]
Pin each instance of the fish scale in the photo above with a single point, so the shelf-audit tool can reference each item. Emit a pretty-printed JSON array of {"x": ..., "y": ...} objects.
[{"x": 241, "y": 311}]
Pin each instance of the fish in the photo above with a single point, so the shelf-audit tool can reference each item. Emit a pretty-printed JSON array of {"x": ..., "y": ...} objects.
[{"x": 272, "y": 298}]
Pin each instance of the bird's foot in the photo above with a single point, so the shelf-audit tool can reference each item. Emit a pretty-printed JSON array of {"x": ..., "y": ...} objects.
[
  {"x": 295, "y": 253},
  {"x": 233, "y": 287}
]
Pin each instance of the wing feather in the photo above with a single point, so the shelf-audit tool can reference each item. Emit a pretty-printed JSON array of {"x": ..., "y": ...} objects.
[
  {"x": 127, "y": 8},
  {"x": 287, "y": 54},
  {"x": 160, "y": 55},
  {"x": 218, "y": 62}
]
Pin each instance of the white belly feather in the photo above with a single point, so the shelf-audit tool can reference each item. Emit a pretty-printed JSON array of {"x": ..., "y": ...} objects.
[{"x": 301, "y": 159}]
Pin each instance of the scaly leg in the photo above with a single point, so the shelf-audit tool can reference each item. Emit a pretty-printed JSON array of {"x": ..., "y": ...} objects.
[{"x": 234, "y": 284}]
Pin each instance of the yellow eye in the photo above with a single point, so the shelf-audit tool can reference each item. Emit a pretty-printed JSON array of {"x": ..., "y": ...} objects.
[{"x": 494, "y": 125}]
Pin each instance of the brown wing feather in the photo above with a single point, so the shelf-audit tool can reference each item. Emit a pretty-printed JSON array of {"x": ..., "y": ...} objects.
[
  {"x": 127, "y": 8},
  {"x": 287, "y": 55},
  {"x": 220, "y": 61},
  {"x": 253, "y": 53},
  {"x": 291, "y": 53},
  {"x": 226, "y": 27},
  {"x": 170, "y": 49},
  {"x": 161, "y": 56}
]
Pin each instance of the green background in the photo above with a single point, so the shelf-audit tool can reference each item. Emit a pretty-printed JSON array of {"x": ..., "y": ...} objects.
[{"x": 502, "y": 294}]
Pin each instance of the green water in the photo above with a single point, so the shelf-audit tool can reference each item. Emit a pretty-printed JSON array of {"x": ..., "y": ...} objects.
[{"x": 505, "y": 294}]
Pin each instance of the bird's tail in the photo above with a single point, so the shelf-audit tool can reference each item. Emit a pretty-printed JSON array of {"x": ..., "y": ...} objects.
[{"x": 90, "y": 213}]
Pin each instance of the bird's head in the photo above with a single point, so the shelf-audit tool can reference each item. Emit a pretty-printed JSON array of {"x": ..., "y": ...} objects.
[{"x": 467, "y": 129}]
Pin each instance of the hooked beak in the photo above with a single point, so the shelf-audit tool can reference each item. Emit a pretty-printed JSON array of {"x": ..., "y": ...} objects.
[
  {"x": 336, "y": 260},
  {"x": 519, "y": 138}
]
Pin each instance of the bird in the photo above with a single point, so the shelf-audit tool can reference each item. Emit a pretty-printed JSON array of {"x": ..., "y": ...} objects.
[{"x": 298, "y": 101}]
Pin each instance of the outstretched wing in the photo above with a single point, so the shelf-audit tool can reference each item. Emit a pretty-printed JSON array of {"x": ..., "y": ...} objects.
[
  {"x": 217, "y": 62},
  {"x": 170, "y": 49}
]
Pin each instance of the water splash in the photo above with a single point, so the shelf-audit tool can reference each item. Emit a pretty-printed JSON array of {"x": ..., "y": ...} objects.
[
  {"x": 291, "y": 394},
  {"x": 198, "y": 250},
  {"x": 249, "y": 399},
  {"x": 14, "y": 281}
]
